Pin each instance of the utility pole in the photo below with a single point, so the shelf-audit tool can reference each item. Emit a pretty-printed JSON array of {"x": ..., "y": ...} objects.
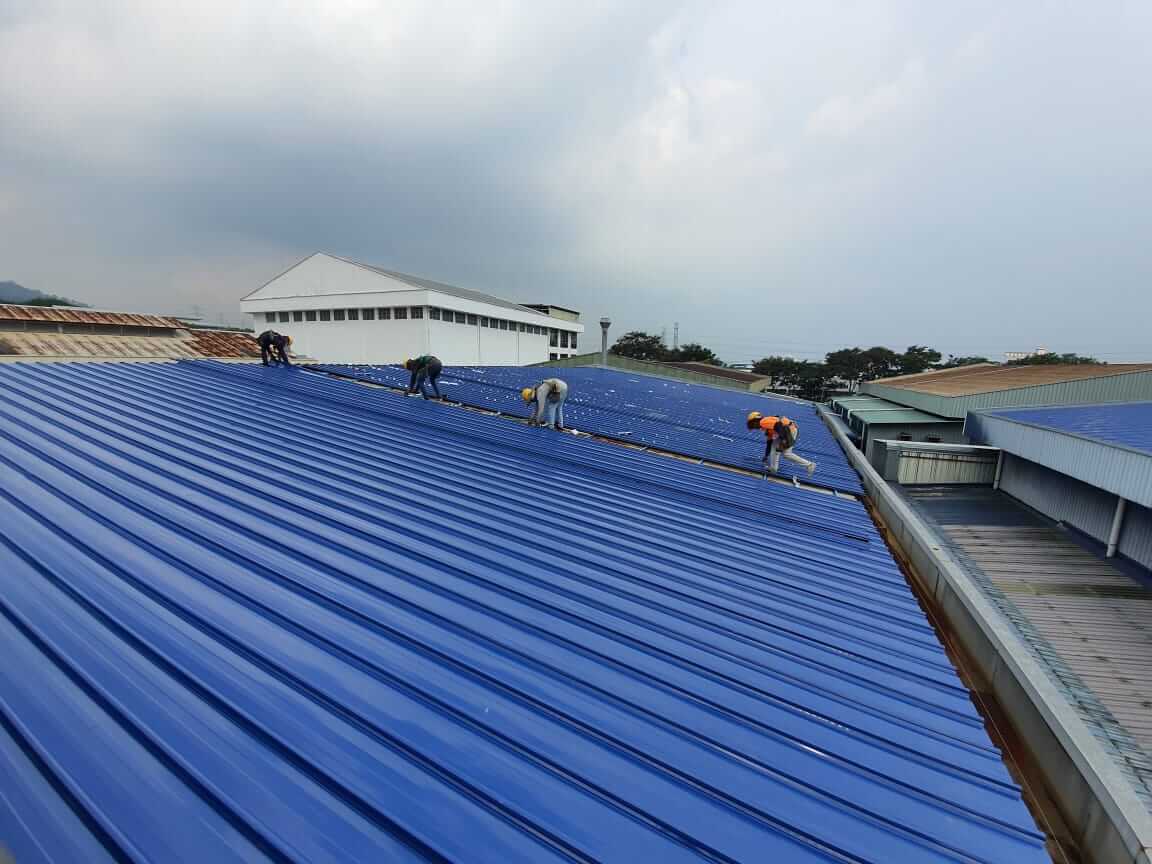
[{"x": 675, "y": 335}]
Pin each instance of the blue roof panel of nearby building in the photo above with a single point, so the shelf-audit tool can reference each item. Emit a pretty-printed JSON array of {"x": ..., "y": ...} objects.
[
  {"x": 680, "y": 417},
  {"x": 1127, "y": 425},
  {"x": 263, "y": 614}
]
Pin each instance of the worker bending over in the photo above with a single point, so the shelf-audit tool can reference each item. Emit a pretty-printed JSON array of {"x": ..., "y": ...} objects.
[
  {"x": 424, "y": 368},
  {"x": 547, "y": 400},
  {"x": 781, "y": 434},
  {"x": 275, "y": 346}
]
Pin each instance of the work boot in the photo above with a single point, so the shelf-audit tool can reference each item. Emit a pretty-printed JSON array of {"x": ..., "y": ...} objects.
[{"x": 811, "y": 468}]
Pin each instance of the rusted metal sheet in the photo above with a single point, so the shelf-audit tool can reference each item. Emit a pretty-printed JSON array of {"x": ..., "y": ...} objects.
[{"x": 72, "y": 315}]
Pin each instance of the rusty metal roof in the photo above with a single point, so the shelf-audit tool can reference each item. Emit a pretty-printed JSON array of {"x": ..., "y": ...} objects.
[
  {"x": 194, "y": 345},
  {"x": 971, "y": 380},
  {"x": 73, "y": 315}
]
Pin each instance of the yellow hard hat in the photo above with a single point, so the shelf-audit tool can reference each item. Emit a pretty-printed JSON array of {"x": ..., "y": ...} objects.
[
  {"x": 527, "y": 394},
  {"x": 754, "y": 419},
  {"x": 287, "y": 340}
]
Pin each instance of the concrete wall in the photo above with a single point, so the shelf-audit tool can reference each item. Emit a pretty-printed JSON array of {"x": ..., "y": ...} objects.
[{"x": 1084, "y": 507}]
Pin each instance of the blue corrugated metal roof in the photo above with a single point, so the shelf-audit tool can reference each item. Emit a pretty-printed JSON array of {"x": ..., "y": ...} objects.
[
  {"x": 257, "y": 614},
  {"x": 692, "y": 419},
  {"x": 1123, "y": 425}
]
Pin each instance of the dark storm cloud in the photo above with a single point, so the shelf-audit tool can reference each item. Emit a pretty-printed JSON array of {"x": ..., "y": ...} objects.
[{"x": 775, "y": 177}]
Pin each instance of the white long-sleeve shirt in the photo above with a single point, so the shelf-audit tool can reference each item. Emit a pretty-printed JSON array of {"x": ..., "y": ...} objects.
[{"x": 549, "y": 389}]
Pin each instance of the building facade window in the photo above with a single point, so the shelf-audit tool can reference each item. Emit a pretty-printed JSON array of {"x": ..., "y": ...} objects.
[
  {"x": 298, "y": 316},
  {"x": 337, "y": 314},
  {"x": 573, "y": 341},
  {"x": 553, "y": 338},
  {"x": 416, "y": 312},
  {"x": 310, "y": 315},
  {"x": 483, "y": 322},
  {"x": 400, "y": 312},
  {"x": 385, "y": 314},
  {"x": 433, "y": 313},
  {"x": 283, "y": 316},
  {"x": 270, "y": 317},
  {"x": 553, "y": 356},
  {"x": 325, "y": 314},
  {"x": 461, "y": 318},
  {"x": 563, "y": 338},
  {"x": 353, "y": 314},
  {"x": 368, "y": 314},
  {"x": 503, "y": 325},
  {"x": 472, "y": 320}
]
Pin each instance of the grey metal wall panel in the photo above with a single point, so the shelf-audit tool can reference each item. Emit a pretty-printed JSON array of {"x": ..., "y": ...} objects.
[
  {"x": 1136, "y": 538},
  {"x": 948, "y": 433},
  {"x": 1121, "y": 472},
  {"x": 937, "y": 468},
  {"x": 1058, "y": 496}
]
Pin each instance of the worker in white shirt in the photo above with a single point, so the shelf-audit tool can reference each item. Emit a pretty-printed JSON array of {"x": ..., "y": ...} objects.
[{"x": 547, "y": 400}]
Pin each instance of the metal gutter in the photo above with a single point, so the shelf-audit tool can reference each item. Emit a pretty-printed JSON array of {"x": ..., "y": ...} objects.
[{"x": 1109, "y": 823}]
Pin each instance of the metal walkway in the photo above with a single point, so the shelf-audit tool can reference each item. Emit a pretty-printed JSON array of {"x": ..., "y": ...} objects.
[{"x": 1088, "y": 623}]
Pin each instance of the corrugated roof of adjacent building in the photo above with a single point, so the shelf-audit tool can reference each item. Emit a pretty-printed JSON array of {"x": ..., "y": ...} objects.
[
  {"x": 901, "y": 415},
  {"x": 187, "y": 345},
  {"x": 1126, "y": 425},
  {"x": 954, "y": 392},
  {"x": 675, "y": 416},
  {"x": 1106, "y": 446},
  {"x": 260, "y": 614},
  {"x": 721, "y": 372},
  {"x": 75, "y": 315},
  {"x": 969, "y": 380}
]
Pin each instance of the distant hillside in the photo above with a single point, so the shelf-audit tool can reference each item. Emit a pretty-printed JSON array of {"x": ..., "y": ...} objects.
[{"x": 14, "y": 292}]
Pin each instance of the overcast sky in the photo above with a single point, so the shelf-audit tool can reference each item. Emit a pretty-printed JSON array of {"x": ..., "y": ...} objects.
[{"x": 777, "y": 177}]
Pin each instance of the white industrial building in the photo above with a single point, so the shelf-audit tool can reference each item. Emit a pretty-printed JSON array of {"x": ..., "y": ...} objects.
[{"x": 342, "y": 311}]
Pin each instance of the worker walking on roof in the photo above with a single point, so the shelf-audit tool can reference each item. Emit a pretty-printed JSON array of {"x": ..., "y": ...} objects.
[
  {"x": 424, "y": 368},
  {"x": 275, "y": 346},
  {"x": 781, "y": 434},
  {"x": 547, "y": 400}
]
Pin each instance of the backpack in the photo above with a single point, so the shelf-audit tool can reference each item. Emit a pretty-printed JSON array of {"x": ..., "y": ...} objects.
[{"x": 787, "y": 433}]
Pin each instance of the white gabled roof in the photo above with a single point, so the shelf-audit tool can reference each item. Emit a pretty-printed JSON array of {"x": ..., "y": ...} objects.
[{"x": 416, "y": 282}]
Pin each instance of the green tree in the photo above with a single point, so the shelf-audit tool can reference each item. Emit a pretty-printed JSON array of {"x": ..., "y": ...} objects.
[
  {"x": 1055, "y": 359},
  {"x": 777, "y": 368},
  {"x": 954, "y": 361},
  {"x": 918, "y": 358},
  {"x": 640, "y": 346},
  {"x": 812, "y": 378},
  {"x": 693, "y": 353},
  {"x": 847, "y": 363},
  {"x": 880, "y": 362}
]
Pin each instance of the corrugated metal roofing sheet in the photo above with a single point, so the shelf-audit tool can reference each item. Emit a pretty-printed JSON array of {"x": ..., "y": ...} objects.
[
  {"x": 677, "y": 416},
  {"x": 1124, "y": 425},
  {"x": 258, "y": 614},
  {"x": 971, "y": 380},
  {"x": 195, "y": 344},
  {"x": 74, "y": 315}
]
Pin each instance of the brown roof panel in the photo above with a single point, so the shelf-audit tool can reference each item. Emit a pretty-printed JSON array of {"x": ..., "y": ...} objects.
[
  {"x": 972, "y": 380},
  {"x": 73, "y": 315},
  {"x": 719, "y": 371}
]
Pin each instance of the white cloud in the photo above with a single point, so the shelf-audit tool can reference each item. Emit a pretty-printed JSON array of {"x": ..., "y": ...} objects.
[{"x": 847, "y": 115}]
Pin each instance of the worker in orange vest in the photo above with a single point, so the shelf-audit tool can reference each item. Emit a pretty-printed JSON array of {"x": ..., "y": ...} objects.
[{"x": 781, "y": 434}]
